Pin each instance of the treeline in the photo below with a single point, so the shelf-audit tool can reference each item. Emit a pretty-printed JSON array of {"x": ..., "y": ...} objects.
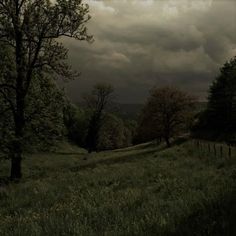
[
  {"x": 52, "y": 118},
  {"x": 93, "y": 126},
  {"x": 170, "y": 112},
  {"x": 218, "y": 120}
]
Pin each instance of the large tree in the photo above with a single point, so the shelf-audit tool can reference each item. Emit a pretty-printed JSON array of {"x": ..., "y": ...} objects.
[
  {"x": 167, "y": 113},
  {"x": 30, "y": 30},
  {"x": 115, "y": 133},
  {"x": 43, "y": 115},
  {"x": 221, "y": 109},
  {"x": 97, "y": 102},
  {"x": 76, "y": 122}
]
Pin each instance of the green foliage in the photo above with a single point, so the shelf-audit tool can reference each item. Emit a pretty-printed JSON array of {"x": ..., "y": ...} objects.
[
  {"x": 43, "y": 117},
  {"x": 32, "y": 29},
  {"x": 167, "y": 113},
  {"x": 114, "y": 133},
  {"x": 76, "y": 123},
  {"x": 135, "y": 191},
  {"x": 97, "y": 102}
]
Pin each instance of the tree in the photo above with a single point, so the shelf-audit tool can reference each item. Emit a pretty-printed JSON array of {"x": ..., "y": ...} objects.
[
  {"x": 115, "y": 133},
  {"x": 30, "y": 29},
  {"x": 76, "y": 122},
  {"x": 97, "y": 102},
  {"x": 167, "y": 112},
  {"x": 221, "y": 108},
  {"x": 112, "y": 133},
  {"x": 44, "y": 114}
]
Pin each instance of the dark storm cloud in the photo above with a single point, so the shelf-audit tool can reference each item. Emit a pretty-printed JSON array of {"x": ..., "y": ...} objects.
[{"x": 143, "y": 43}]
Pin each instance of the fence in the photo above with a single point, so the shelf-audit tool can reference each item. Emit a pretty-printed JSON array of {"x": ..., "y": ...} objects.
[{"x": 220, "y": 150}]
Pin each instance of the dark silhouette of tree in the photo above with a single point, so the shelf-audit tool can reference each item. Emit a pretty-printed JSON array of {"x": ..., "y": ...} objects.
[
  {"x": 218, "y": 120},
  {"x": 97, "y": 102},
  {"x": 76, "y": 123},
  {"x": 221, "y": 109},
  {"x": 30, "y": 29},
  {"x": 167, "y": 113}
]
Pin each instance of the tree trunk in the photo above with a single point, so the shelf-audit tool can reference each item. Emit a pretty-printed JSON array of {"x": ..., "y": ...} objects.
[
  {"x": 17, "y": 144},
  {"x": 93, "y": 133},
  {"x": 16, "y": 165},
  {"x": 19, "y": 122},
  {"x": 19, "y": 114}
]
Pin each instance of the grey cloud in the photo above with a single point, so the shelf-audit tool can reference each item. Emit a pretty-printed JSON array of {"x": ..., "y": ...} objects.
[{"x": 140, "y": 44}]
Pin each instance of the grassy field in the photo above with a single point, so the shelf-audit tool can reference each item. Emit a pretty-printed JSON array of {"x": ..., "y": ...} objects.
[{"x": 143, "y": 190}]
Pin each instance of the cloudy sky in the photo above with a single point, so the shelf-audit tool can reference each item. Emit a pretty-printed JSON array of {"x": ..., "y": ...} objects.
[{"x": 144, "y": 43}]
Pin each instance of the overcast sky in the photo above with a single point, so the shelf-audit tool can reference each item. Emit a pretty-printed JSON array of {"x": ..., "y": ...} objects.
[{"x": 144, "y": 43}]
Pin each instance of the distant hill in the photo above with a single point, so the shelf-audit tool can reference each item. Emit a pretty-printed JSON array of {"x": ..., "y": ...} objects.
[
  {"x": 123, "y": 110},
  {"x": 127, "y": 111},
  {"x": 132, "y": 111}
]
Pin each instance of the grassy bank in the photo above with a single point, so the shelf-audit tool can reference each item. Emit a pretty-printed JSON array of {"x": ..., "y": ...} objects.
[{"x": 143, "y": 190}]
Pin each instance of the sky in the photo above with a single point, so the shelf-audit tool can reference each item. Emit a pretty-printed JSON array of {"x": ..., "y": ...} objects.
[{"x": 139, "y": 44}]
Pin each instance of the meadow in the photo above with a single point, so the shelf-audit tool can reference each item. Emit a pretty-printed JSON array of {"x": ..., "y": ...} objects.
[{"x": 141, "y": 190}]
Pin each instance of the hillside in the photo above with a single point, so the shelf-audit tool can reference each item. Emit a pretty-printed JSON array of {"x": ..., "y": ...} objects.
[
  {"x": 124, "y": 110},
  {"x": 142, "y": 190}
]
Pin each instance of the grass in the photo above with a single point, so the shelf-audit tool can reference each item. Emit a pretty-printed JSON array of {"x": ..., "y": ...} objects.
[{"x": 143, "y": 190}]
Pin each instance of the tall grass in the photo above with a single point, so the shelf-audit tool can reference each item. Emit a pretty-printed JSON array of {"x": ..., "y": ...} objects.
[{"x": 136, "y": 191}]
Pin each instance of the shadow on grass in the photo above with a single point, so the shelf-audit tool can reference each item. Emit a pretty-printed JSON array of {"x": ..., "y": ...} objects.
[
  {"x": 68, "y": 153},
  {"x": 138, "y": 147},
  {"x": 129, "y": 157},
  {"x": 214, "y": 218},
  {"x": 119, "y": 159},
  {"x": 179, "y": 141}
]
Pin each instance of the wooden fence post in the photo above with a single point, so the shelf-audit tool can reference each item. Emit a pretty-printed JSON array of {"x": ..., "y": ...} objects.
[
  {"x": 214, "y": 146},
  {"x": 221, "y": 151}
]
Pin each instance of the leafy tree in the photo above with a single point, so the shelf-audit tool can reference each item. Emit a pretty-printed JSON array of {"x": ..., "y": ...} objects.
[
  {"x": 115, "y": 133},
  {"x": 112, "y": 133},
  {"x": 97, "y": 102},
  {"x": 31, "y": 29},
  {"x": 130, "y": 132},
  {"x": 167, "y": 113},
  {"x": 76, "y": 122},
  {"x": 221, "y": 109},
  {"x": 146, "y": 130},
  {"x": 43, "y": 115}
]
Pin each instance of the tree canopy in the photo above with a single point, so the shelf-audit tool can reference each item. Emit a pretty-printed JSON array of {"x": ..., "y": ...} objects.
[
  {"x": 97, "y": 101},
  {"x": 166, "y": 113},
  {"x": 218, "y": 121},
  {"x": 29, "y": 30}
]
